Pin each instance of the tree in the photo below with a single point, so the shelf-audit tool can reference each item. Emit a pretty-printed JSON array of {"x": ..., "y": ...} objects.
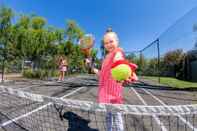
[
  {"x": 173, "y": 57},
  {"x": 30, "y": 38},
  {"x": 172, "y": 60},
  {"x": 72, "y": 51},
  {"x": 151, "y": 68},
  {"x": 73, "y": 31},
  {"x": 194, "y": 30},
  {"x": 6, "y": 15},
  {"x": 38, "y": 22}
]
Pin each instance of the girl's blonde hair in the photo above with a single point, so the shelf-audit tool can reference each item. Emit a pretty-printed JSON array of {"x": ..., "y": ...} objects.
[{"x": 113, "y": 34}]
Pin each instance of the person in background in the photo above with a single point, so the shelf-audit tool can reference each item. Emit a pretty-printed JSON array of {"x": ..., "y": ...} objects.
[{"x": 63, "y": 65}]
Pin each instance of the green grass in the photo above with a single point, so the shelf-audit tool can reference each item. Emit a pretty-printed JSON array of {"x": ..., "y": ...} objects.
[{"x": 172, "y": 82}]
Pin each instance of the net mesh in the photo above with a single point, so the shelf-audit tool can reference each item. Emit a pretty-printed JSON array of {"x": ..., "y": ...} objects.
[
  {"x": 173, "y": 54},
  {"x": 21, "y": 110}
]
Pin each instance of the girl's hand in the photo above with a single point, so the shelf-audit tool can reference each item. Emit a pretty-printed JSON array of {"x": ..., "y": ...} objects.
[{"x": 125, "y": 82}]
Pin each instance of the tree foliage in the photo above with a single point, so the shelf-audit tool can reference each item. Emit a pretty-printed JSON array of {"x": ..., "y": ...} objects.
[{"x": 31, "y": 38}]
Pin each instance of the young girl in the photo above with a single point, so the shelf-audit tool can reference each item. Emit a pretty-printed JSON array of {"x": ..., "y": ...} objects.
[
  {"x": 62, "y": 68},
  {"x": 111, "y": 91}
]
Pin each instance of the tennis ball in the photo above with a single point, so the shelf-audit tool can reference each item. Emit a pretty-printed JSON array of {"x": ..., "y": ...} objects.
[{"x": 121, "y": 72}]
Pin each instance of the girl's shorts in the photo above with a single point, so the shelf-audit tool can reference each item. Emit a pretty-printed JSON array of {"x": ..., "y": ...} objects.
[{"x": 63, "y": 68}]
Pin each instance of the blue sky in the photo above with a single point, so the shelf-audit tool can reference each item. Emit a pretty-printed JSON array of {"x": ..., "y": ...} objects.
[{"x": 137, "y": 22}]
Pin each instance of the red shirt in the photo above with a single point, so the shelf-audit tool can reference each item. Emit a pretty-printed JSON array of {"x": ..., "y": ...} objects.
[{"x": 109, "y": 90}]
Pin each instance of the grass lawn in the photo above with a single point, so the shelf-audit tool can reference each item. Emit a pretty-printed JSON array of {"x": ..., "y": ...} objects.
[{"x": 173, "y": 82}]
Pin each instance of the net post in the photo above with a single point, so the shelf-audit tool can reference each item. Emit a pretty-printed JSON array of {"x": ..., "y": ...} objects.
[
  {"x": 152, "y": 129},
  {"x": 193, "y": 121},
  {"x": 158, "y": 59}
]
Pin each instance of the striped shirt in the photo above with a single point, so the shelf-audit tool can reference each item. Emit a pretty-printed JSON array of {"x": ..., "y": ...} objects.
[{"x": 109, "y": 90}]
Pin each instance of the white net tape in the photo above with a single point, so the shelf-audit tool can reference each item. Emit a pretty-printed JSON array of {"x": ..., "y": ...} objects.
[{"x": 92, "y": 106}]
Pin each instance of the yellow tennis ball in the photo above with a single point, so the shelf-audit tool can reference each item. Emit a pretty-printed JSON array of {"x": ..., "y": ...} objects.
[{"x": 121, "y": 72}]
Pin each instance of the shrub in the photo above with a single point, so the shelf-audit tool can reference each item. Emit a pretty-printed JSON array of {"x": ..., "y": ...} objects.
[{"x": 39, "y": 74}]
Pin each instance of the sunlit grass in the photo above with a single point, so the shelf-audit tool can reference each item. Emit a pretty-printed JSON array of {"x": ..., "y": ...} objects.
[{"x": 172, "y": 82}]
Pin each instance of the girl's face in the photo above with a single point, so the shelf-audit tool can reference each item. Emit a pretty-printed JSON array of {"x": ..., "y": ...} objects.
[{"x": 110, "y": 42}]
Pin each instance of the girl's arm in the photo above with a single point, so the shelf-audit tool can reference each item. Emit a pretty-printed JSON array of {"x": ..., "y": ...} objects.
[
  {"x": 64, "y": 63},
  {"x": 118, "y": 56}
]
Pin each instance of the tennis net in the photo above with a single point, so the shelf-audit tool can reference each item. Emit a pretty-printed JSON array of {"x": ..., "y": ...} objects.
[{"x": 21, "y": 110}]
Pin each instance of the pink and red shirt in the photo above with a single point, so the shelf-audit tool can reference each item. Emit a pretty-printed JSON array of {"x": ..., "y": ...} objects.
[{"x": 109, "y": 90}]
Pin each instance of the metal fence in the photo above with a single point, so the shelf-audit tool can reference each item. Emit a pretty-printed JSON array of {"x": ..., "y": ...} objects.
[{"x": 173, "y": 54}]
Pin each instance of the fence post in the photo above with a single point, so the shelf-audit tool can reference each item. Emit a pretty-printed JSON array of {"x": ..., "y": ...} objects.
[
  {"x": 158, "y": 59},
  {"x": 3, "y": 67},
  {"x": 2, "y": 46},
  {"x": 141, "y": 63}
]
